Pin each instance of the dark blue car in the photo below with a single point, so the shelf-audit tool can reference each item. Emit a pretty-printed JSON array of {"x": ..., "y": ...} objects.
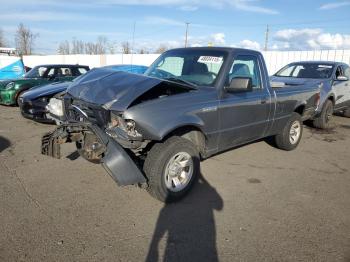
[{"x": 33, "y": 102}]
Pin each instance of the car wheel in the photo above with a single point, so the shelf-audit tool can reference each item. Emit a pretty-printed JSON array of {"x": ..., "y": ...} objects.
[
  {"x": 171, "y": 168},
  {"x": 291, "y": 134},
  {"x": 346, "y": 112},
  {"x": 18, "y": 102},
  {"x": 324, "y": 120}
]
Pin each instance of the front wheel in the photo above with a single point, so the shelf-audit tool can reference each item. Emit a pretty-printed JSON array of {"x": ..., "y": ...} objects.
[
  {"x": 291, "y": 134},
  {"x": 171, "y": 168}
]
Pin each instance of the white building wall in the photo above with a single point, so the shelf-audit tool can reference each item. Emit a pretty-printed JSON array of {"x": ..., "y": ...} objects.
[{"x": 274, "y": 59}]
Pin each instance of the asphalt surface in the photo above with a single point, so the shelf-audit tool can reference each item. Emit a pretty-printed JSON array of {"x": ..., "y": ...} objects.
[{"x": 254, "y": 203}]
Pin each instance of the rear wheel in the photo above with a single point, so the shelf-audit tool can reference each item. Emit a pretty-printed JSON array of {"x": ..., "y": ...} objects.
[
  {"x": 171, "y": 168},
  {"x": 291, "y": 134},
  {"x": 324, "y": 120}
]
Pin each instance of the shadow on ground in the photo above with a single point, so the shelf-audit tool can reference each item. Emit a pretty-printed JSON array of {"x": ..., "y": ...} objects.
[
  {"x": 4, "y": 143},
  {"x": 185, "y": 231}
]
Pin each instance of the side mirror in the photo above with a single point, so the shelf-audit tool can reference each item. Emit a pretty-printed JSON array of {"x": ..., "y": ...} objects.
[
  {"x": 240, "y": 84},
  {"x": 342, "y": 78}
]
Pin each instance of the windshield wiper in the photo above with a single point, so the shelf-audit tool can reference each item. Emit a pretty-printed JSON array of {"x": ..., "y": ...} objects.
[{"x": 179, "y": 80}]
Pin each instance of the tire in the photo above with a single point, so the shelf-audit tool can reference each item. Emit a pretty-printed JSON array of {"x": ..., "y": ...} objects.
[
  {"x": 347, "y": 112},
  {"x": 164, "y": 180},
  {"x": 286, "y": 140},
  {"x": 324, "y": 120},
  {"x": 18, "y": 95}
]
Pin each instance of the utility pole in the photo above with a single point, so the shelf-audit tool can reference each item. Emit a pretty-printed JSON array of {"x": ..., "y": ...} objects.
[
  {"x": 186, "y": 36},
  {"x": 266, "y": 38}
]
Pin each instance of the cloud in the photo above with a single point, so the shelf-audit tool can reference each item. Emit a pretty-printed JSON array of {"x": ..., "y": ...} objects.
[
  {"x": 158, "y": 20},
  {"x": 188, "y": 8},
  {"x": 249, "y": 44},
  {"x": 334, "y": 5},
  {"x": 243, "y": 5},
  {"x": 218, "y": 38},
  {"x": 308, "y": 39},
  {"x": 186, "y": 5}
]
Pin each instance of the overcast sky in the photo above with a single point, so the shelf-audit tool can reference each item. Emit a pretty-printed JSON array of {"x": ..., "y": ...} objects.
[{"x": 294, "y": 24}]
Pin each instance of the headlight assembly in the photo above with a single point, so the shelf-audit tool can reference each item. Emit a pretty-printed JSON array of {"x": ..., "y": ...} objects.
[
  {"x": 55, "y": 107},
  {"x": 10, "y": 85},
  {"x": 126, "y": 125}
]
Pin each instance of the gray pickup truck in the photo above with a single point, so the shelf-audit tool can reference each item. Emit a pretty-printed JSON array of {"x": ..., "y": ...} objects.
[{"x": 152, "y": 130}]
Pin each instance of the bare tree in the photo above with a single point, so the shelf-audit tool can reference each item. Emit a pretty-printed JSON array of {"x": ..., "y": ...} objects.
[
  {"x": 78, "y": 47},
  {"x": 64, "y": 48},
  {"x": 112, "y": 47},
  {"x": 161, "y": 49},
  {"x": 24, "y": 39},
  {"x": 101, "y": 45},
  {"x": 126, "y": 47},
  {"x": 3, "y": 42}
]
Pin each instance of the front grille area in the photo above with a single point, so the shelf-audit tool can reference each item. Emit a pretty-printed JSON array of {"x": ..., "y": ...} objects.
[{"x": 95, "y": 114}]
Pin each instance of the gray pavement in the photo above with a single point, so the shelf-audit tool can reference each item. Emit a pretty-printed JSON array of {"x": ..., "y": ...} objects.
[{"x": 254, "y": 203}]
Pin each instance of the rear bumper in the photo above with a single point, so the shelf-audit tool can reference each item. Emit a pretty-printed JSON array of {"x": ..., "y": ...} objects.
[{"x": 115, "y": 160}]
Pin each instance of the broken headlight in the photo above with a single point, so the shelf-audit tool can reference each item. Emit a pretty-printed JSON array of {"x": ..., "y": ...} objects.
[
  {"x": 120, "y": 127},
  {"x": 55, "y": 107}
]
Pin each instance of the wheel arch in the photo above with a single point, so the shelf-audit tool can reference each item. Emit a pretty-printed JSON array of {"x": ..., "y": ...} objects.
[
  {"x": 20, "y": 90},
  {"x": 191, "y": 132}
]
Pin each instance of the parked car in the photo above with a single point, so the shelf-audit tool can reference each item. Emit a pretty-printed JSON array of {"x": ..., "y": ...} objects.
[
  {"x": 191, "y": 103},
  {"x": 34, "y": 101},
  {"x": 333, "y": 77},
  {"x": 11, "y": 89}
]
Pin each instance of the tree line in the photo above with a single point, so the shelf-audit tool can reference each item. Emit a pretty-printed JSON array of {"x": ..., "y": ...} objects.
[{"x": 25, "y": 43}]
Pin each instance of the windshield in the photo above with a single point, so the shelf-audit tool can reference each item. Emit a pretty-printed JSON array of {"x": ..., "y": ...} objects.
[
  {"x": 36, "y": 72},
  {"x": 188, "y": 66},
  {"x": 307, "y": 70}
]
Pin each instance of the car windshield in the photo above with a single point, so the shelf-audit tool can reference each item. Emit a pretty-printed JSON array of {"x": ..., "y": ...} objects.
[
  {"x": 307, "y": 70},
  {"x": 36, "y": 72},
  {"x": 188, "y": 66}
]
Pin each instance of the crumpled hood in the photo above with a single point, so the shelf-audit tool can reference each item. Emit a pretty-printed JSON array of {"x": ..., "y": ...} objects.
[
  {"x": 295, "y": 81},
  {"x": 45, "y": 90},
  {"x": 110, "y": 89}
]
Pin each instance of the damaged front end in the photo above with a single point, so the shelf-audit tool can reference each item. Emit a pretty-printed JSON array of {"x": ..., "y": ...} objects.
[
  {"x": 92, "y": 115},
  {"x": 96, "y": 146}
]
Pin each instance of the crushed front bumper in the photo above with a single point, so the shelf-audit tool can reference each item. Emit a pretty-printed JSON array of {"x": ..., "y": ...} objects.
[{"x": 114, "y": 159}]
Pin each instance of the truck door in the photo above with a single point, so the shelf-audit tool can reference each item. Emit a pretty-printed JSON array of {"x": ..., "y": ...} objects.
[
  {"x": 244, "y": 116},
  {"x": 341, "y": 86}
]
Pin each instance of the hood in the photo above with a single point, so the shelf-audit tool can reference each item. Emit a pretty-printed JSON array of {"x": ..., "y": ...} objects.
[
  {"x": 4, "y": 82},
  {"x": 45, "y": 90},
  {"x": 295, "y": 81},
  {"x": 117, "y": 90}
]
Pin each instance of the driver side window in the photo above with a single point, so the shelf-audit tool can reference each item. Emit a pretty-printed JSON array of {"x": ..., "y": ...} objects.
[
  {"x": 172, "y": 65},
  {"x": 246, "y": 66}
]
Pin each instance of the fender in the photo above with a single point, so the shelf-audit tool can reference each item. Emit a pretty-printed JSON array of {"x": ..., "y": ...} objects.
[{"x": 160, "y": 131}]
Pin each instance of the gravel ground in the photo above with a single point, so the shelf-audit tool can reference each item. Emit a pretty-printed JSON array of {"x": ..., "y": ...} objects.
[{"x": 254, "y": 203}]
